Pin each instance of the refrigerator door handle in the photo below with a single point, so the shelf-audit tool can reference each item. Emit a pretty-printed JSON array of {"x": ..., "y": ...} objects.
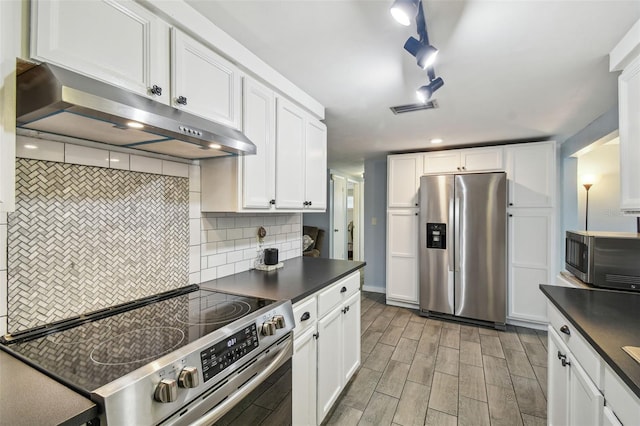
[
  {"x": 456, "y": 231},
  {"x": 450, "y": 246}
]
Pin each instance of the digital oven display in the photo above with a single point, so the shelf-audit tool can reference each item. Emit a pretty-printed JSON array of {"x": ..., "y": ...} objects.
[{"x": 224, "y": 353}]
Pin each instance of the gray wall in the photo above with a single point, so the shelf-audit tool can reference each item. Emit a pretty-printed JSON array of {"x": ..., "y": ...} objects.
[
  {"x": 597, "y": 129},
  {"x": 375, "y": 208}
]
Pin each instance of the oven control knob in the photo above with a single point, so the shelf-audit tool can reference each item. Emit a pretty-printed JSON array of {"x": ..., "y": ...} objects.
[
  {"x": 166, "y": 391},
  {"x": 188, "y": 378},
  {"x": 269, "y": 328},
  {"x": 279, "y": 320}
]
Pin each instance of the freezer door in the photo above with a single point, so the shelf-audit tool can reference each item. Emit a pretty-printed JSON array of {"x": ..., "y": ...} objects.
[
  {"x": 436, "y": 243},
  {"x": 480, "y": 240}
]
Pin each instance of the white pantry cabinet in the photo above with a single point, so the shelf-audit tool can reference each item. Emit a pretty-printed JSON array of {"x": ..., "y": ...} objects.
[
  {"x": 203, "y": 83},
  {"x": 464, "y": 160},
  {"x": 301, "y": 159},
  {"x": 531, "y": 169},
  {"x": 403, "y": 180},
  {"x": 116, "y": 41},
  {"x": 402, "y": 255},
  {"x": 326, "y": 348}
]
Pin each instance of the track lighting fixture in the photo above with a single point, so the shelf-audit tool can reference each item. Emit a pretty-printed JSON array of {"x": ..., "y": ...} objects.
[
  {"x": 425, "y": 92},
  {"x": 425, "y": 54},
  {"x": 404, "y": 11}
]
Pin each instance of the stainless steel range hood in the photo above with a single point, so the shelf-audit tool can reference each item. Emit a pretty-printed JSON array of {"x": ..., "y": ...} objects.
[{"x": 54, "y": 100}]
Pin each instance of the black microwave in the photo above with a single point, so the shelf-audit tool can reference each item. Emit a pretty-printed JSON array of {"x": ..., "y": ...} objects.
[{"x": 604, "y": 259}]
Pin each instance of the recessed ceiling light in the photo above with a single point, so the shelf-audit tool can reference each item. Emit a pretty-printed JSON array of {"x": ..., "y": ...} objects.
[
  {"x": 436, "y": 140},
  {"x": 29, "y": 146},
  {"x": 114, "y": 160},
  {"x": 135, "y": 125},
  {"x": 214, "y": 146}
]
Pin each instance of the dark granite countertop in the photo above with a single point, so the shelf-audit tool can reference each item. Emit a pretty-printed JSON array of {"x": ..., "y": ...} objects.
[
  {"x": 608, "y": 320},
  {"x": 297, "y": 279},
  {"x": 28, "y": 397}
]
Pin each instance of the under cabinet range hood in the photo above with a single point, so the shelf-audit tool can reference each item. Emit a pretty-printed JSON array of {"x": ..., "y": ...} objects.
[{"x": 54, "y": 100}]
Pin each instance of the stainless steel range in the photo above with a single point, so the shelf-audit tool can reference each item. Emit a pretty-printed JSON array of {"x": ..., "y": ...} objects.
[{"x": 182, "y": 357}]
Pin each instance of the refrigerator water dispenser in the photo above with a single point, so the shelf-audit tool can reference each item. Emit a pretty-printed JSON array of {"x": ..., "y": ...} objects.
[{"x": 437, "y": 235}]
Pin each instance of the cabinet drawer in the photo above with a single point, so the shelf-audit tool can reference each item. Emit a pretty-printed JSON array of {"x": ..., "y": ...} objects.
[
  {"x": 620, "y": 399},
  {"x": 582, "y": 351},
  {"x": 306, "y": 315},
  {"x": 337, "y": 293}
]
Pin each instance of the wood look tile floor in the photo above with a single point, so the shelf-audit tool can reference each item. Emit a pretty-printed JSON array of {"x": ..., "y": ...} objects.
[{"x": 423, "y": 371}]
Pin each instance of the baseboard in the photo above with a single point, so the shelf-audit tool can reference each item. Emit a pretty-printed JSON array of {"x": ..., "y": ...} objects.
[
  {"x": 402, "y": 304},
  {"x": 527, "y": 324},
  {"x": 374, "y": 289}
]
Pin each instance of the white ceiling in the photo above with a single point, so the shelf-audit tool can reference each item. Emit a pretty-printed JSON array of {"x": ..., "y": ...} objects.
[{"x": 513, "y": 69}]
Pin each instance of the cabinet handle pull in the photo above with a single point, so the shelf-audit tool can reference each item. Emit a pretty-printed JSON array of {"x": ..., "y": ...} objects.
[
  {"x": 310, "y": 203},
  {"x": 565, "y": 330},
  {"x": 156, "y": 90},
  {"x": 181, "y": 100},
  {"x": 464, "y": 168},
  {"x": 307, "y": 315},
  {"x": 565, "y": 363},
  {"x": 416, "y": 214},
  {"x": 344, "y": 311},
  {"x": 316, "y": 335},
  {"x": 560, "y": 355},
  {"x": 272, "y": 202},
  {"x": 511, "y": 204},
  {"x": 343, "y": 289},
  {"x": 510, "y": 215}
]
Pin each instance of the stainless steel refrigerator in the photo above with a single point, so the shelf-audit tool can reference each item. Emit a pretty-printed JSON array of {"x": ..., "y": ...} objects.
[{"x": 463, "y": 257}]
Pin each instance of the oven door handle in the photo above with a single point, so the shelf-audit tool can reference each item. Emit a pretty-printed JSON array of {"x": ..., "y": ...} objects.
[{"x": 219, "y": 411}]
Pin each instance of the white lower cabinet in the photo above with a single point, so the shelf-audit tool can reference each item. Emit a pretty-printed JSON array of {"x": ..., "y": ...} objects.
[
  {"x": 402, "y": 255},
  {"x": 579, "y": 381},
  {"x": 326, "y": 350},
  {"x": 304, "y": 378}
]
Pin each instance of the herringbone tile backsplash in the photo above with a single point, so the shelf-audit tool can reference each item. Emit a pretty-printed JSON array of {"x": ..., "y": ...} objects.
[{"x": 86, "y": 238}]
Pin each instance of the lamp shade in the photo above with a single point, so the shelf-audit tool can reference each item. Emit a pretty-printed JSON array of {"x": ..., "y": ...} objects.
[
  {"x": 404, "y": 11},
  {"x": 425, "y": 92}
]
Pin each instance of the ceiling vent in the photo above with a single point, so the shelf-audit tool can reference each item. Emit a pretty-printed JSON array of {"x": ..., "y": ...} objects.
[{"x": 401, "y": 109}]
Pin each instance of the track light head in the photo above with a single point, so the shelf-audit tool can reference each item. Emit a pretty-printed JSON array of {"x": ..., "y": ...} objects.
[
  {"x": 425, "y": 92},
  {"x": 404, "y": 11},
  {"x": 425, "y": 54}
]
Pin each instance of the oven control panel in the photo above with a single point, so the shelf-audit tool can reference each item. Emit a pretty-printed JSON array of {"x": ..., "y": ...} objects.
[{"x": 224, "y": 353}]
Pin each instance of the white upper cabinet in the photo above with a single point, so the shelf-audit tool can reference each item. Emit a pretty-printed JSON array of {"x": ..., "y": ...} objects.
[
  {"x": 464, "y": 160},
  {"x": 315, "y": 165},
  {"x": 404, "y": 171},
  {"x": 290, "y": 127},
  {"x": 629, "y": 108},
  {"x": 119, "y": 42},
  {"x": 301, "y": 159},
  {"x": 531, "y": 170},
  {"x": 258, "y": 171},
  {"x": 203, "y": 83}
]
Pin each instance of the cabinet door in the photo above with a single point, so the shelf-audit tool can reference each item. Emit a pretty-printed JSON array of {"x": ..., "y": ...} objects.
[
  {"x": 530, "y": 241},
  {"x": 203, "y": 83},
  {"x": 629, "y": 106},
  {"x": 442, "y": 162},
  {"x": 482, "y": 159},
  {"x": 315, "y": 165},
  {"x": 403, "y": 179},
  {"x": 259, "y": 126},
  {"x": 351, "y": 337},
  {"x": 329, "y": 361},
  {"x": 609, "y": 418},
  {"x": 402, "y": 255},
  {"x": 531, "y": 172},
  {"x": 586, "y": 403},
  {"x": 290, "y": 127},
  {"x": 303, "y": 392},
  {"x": 119, "y": 42},
  {"x": 557, "y": 381}
]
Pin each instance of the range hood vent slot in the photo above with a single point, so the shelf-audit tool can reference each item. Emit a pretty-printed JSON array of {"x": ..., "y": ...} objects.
[
  {"x": 54, "y": 100},
  {"x": 402, "y": 109}
]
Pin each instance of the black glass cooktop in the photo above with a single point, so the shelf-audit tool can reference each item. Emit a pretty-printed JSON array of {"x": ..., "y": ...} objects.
[{"x": 94, "y": 352}]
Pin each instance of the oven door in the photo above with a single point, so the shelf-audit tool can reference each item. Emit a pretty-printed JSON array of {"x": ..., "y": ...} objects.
[{"x": 258, "y": 393}]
